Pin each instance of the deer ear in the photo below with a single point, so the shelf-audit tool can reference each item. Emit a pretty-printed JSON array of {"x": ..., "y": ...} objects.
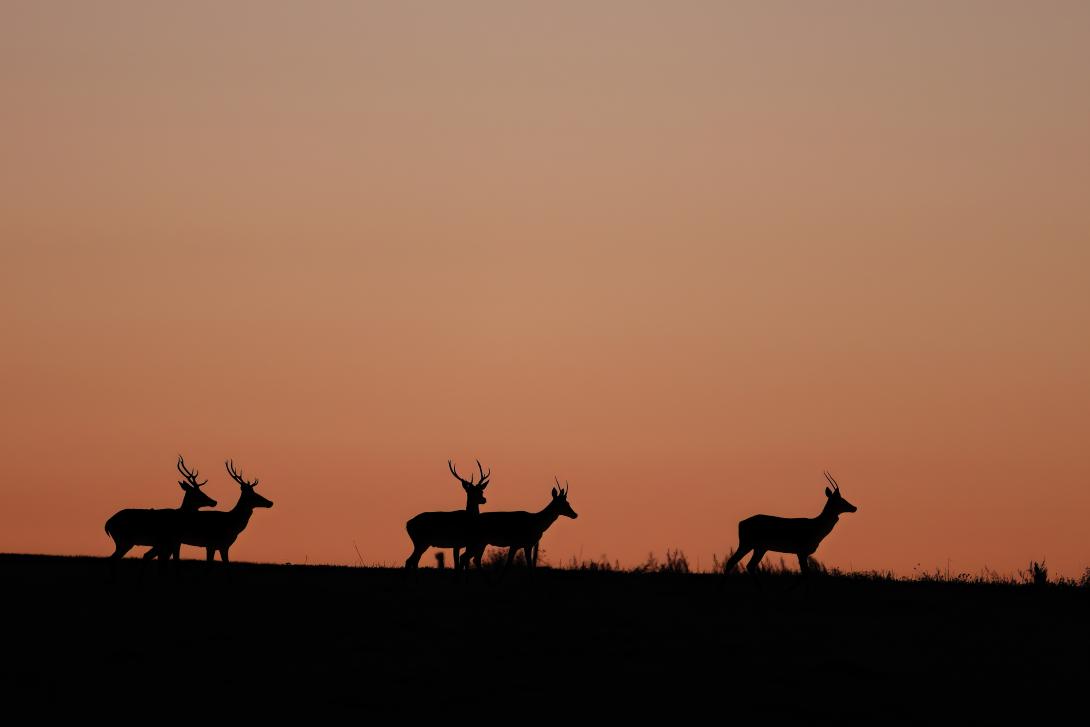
[
  {"x": 484, "y": 486},
  {"x": 554, "y": 493},
  {"x": 828, "y": 492},
  {"x": 183, "y": 485},
  {"x": 465, "y": 487}
]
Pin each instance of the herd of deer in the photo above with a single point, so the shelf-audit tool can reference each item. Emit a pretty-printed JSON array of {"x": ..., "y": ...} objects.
[
  {"x": 167, "y": 530},
  {"x": 467, "y": 532},
  {"x": 473, "y": 530}
]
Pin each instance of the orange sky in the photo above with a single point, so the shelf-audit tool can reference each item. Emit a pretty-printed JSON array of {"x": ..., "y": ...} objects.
[{"x": 685, "y": 257}]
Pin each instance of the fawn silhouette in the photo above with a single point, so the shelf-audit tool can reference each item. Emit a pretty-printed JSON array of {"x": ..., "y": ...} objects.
[
  {"x": 517, "y": 530},
  {"x": 217, "y": 531},
  {"x": 798, "y": 535},
  {"x": 157, "y": 527},
  {"x": 449, "y": 529}
]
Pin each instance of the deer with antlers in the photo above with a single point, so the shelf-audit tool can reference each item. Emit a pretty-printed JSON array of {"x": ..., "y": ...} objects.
[
  {"x": 157, "y": 527},
  {"x": 798, "y": 535},
  {"x": 217, "y": 531},
  {"x": 448, "y": 529},
  {"x": 518, "y": 530}
]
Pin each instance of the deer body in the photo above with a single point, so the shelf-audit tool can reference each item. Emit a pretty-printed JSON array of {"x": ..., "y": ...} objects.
[
  {"x": 218, "y": 531},
  {"x": 448, "y": 529},
  {"x": 800, "y": 536},
  {"x": 517, "y": 530},
  {"x": 157, "y": 527}
]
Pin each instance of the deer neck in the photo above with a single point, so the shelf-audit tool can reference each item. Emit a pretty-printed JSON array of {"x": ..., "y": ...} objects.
[
  {"x": 545, "y": 517},
  {"x": 473, "y": 508},
  {"x": 827, "y": 520},
  {"x": 240, "y": 514}
]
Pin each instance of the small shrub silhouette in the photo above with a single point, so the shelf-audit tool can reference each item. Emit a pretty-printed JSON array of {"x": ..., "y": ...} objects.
[
  {"x": 495, "y": 558},
  {"x": 1036, "y": 574},
  {"x": 675, "y": 562},
  {"x": 601, "y": 565}
]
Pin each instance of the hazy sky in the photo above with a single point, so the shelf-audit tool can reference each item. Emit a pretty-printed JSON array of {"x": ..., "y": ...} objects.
[{"x": 684, "y": 255}]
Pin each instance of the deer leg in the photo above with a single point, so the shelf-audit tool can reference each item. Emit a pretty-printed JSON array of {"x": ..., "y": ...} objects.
[
  {"x": 510, "y": 559},
  {"x": 152, "y": 552},
  {"x": 120, "y": 549},
  {"x": 223, "y": 555},
  {"x": 413, "y": 560},
  {"x": 211, "y": 551},
  {"x": 461, "y": 564},
  {"x": 174, "y": 553},
  {"x": 734, "y": 559},
  {"x": 804, "y": 570},
  {"x": 119, "y": 552},
  {"x": 529, "y": 550},
  {"x": 755, "y": 561}
]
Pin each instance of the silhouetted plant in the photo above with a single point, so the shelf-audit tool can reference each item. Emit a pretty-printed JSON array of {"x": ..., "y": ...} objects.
[
  {"x": 676, "y": 562},
  {"x": 495, "y": 558},
  {"x": 600, "y": 565},
  {"x": 1036, "y": 574},
  {"x": 651, "y": 565}
]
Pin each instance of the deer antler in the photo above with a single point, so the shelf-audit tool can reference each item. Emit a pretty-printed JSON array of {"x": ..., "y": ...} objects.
[
  {"x": 831, "y": 481},
  {"x": 464, "y": 481},
  {"x": 237, "y": 476},
  {"x": 562, "y": 490},
  {"x": 190, "y": 476}
]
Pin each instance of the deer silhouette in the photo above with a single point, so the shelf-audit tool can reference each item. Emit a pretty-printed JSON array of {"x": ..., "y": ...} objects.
[
  {"x": 158, "y": 528},
  {"x": 448, "y": 529},
  {"x": 798, "y": 535},
  {"x": 217, "y": 531},
  {"x": 517, "y": 530}
]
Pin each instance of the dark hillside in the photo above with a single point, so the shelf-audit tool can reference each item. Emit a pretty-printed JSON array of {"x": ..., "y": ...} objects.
[{"x": 374, "y": 642}]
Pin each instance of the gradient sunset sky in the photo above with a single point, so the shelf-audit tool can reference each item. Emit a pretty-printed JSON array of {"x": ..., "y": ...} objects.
[{"x": 684, "y": 255}]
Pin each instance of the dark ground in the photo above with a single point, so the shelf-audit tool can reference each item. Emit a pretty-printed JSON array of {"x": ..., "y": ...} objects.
[{"x": 374, "y": 643}]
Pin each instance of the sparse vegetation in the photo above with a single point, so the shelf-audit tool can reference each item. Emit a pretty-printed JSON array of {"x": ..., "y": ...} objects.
[
  {"x": 675, "y": 561},
  {"x": 600, "y": 565}
]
